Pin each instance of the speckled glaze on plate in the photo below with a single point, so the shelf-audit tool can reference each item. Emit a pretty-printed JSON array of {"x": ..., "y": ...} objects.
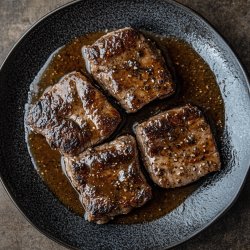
[{"x": 25, "y": 186}]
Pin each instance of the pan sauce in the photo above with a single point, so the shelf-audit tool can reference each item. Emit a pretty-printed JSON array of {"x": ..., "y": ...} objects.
[{"x": 195, "y": 84}]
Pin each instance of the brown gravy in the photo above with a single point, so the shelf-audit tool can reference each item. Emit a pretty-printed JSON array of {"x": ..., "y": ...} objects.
[{"x": 196, "y": 84}]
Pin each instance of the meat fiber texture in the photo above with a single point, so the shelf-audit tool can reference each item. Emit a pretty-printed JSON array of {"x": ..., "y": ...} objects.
[
  {"x": 73, "y": 115},
  {"x": 177, "y": 147},
  {"x": 109, "y": 179},
  {"x": 129, "y": 67}
]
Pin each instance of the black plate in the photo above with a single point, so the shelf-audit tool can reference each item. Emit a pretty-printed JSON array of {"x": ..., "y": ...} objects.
[{"x": 26, "y": 188}]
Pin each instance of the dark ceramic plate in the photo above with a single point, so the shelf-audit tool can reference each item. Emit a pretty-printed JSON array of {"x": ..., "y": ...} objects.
[{"x": 26, "y": 188}]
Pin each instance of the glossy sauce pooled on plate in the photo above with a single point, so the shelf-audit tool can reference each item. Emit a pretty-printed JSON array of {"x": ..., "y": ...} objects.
[{"x": 196, "y": 84}]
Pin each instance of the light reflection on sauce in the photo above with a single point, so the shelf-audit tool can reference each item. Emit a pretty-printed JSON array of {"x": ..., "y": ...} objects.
[{"x": 196, "y": 84}]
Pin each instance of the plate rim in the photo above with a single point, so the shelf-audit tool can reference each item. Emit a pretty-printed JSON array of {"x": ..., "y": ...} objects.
[{"x": 225, "y": 42}]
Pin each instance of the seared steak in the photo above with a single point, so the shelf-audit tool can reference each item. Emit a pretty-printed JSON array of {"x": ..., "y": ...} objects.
[
  {"x": 129, "y": 67},
  {"x": 73, "y": 115},
  {"x": 108, "y": 179},
  {"x": 177, "y": 147}
]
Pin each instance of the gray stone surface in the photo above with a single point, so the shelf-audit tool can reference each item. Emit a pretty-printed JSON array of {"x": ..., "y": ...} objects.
[{"x": 232, "y": 19}]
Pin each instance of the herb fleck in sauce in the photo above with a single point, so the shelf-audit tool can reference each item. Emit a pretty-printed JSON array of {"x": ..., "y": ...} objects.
[{"x": 196, "y": 84}]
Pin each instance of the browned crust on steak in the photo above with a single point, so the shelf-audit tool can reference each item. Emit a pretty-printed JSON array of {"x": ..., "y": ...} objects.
[
  {"x": 109, "y": 179},
  {"x": 73, "y": 115},
  {"x": 129, "y": 67},
  {"x": 177, "y": 147}
]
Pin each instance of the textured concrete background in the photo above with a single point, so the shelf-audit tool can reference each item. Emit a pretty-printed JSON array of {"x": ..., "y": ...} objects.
[{"x": 232, "y": 19}]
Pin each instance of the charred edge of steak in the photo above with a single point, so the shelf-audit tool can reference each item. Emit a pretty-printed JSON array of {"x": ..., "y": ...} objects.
[{"x": 117, "y": 43}]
